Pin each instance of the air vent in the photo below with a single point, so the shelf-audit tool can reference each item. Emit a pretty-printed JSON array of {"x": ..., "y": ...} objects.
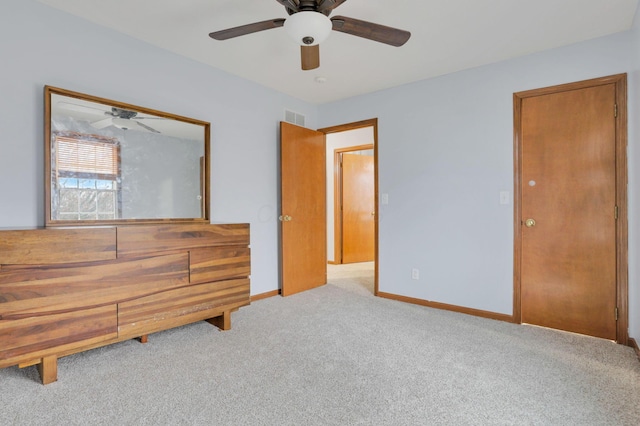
[{"x": 293, "y": 118}]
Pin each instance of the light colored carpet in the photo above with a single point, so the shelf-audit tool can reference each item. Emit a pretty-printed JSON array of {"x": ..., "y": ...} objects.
[
  {"x": 337, "y": 356},
  {"x": 356, "y": 277}
]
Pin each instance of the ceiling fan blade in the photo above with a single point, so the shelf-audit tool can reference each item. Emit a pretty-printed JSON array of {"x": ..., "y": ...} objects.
[
  {"x": 80, "y": 108},
  {"x": 310, "y": 57},
  {"x": 101, "y": 124},
  {"x": 371, "y": 31},
  {"x": 151, "y": 129},
  {"x": 246, "y": 29},
  {"x": 326, "y": 6}
]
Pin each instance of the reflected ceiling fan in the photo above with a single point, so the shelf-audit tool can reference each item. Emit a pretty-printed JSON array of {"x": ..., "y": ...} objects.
[
  {"x": 121, "y": 118},
  {"x": 309, "y": 25},
  {"x": 124, "y": 119}
]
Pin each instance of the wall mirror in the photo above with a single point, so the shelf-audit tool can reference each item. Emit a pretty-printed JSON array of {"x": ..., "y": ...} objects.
[{"x": 109, "y": 162}]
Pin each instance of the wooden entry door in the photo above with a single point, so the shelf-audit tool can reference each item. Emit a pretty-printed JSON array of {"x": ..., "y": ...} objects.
[
  {"x": 569, "y": 199},
  {"x": 303, "y": 209},
  {"x": 358, "y": 208}
]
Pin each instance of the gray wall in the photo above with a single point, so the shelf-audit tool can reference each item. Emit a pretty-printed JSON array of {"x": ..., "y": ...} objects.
[
  {"x": 40, "y": 45},
  {"x": 446, "y": 151}
]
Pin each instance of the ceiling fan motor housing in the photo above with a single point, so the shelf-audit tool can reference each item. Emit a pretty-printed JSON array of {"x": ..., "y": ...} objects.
[{"x": 122, "y": 113}]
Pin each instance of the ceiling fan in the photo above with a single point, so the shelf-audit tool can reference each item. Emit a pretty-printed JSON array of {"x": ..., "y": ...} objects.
[
  {"x": 121, "y": 118},
  {"x": 124, "y": 119},
  {"x": 309, "y": 25}
]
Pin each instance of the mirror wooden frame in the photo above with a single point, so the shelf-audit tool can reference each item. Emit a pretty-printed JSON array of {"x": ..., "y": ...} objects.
[{"x": 204, "y": 168}]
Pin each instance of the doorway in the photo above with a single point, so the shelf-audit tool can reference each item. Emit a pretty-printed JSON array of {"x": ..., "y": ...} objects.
[
  {"x": 354, "y": 205},
  {"x": 360, "y": 265},
  {"x": 570, "y": 236}
]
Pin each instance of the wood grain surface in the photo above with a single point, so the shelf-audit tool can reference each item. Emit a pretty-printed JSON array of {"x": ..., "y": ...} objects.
[
  {"x": 219, "y": 263},
  {"x": 181, "y": 306},
  {"x": 45, "y": 290},
  {"x": 139, "y": 240},
  {"x": 39, "y": 336},
  {"x": 53, "y": 246}
]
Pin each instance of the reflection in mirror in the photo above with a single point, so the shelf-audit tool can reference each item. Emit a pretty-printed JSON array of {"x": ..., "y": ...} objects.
[{"x": 110, "y": 162}]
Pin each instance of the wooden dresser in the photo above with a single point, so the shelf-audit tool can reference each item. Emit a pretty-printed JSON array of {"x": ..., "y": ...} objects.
[{"x": 66, "y": 290}]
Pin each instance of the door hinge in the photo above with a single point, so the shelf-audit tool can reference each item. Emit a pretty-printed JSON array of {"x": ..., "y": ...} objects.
[
  {"x": 616, "y": 314},
  {"x": 615, "y": 212},
  {"x": 615, "y": 110}
]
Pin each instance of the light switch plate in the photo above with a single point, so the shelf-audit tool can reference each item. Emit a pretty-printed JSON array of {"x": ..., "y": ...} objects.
[
  {"x": 384, "y": 198},
  {"x": 504, "y": 197}
]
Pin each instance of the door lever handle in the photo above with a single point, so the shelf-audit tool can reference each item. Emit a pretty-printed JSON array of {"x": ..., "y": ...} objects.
[{"x": 285, "y": 218}]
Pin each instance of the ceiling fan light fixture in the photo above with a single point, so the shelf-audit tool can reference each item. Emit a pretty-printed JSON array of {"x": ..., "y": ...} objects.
[
  {"x": 308, "y": 28},
  {"x": 124, "y": 123}
]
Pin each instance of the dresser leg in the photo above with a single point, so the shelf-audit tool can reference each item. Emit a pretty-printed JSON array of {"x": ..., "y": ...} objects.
[
  {"x": 223, "y": 322},
  {"x": 144, "y": 338},
  {"x": 48, "y": 369}
]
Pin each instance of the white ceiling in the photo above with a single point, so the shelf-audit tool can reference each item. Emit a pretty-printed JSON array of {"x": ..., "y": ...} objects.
[{"x": 447, "y": 36}]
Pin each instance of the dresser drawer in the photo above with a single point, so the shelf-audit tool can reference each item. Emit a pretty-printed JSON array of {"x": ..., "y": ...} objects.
[
  {"x": 137, "y": 240},
  {"x": 55, "y": 246},
  {"x": 181, "y": 306},
  {"x": 48, "y": 334},
  {"x": 219, "y": 263}
]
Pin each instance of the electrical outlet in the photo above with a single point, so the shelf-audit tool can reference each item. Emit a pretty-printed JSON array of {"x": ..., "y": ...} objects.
[{"x": 415, "y": 274}]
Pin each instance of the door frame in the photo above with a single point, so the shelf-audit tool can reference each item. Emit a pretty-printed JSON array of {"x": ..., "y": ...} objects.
[
  {"x": 337, "y": 198},
  {"x": 620, "y": 111},
  {"x": 373, "y": 122}
]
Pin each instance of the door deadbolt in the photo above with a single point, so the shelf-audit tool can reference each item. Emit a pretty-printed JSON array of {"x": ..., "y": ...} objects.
[{"x": 529, "y": 223}]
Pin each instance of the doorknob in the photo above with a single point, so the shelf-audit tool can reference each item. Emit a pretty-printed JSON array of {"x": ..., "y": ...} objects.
[
  {"x": 285, "y": 218},
  {"x": 529, "y": 223}
]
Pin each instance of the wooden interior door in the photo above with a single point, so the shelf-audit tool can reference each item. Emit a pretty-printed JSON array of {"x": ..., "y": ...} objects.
[
  {"x": 568, "y": 210},
  {"x": 303, "y": 209},
  {"x": 358, "y": 208}
]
